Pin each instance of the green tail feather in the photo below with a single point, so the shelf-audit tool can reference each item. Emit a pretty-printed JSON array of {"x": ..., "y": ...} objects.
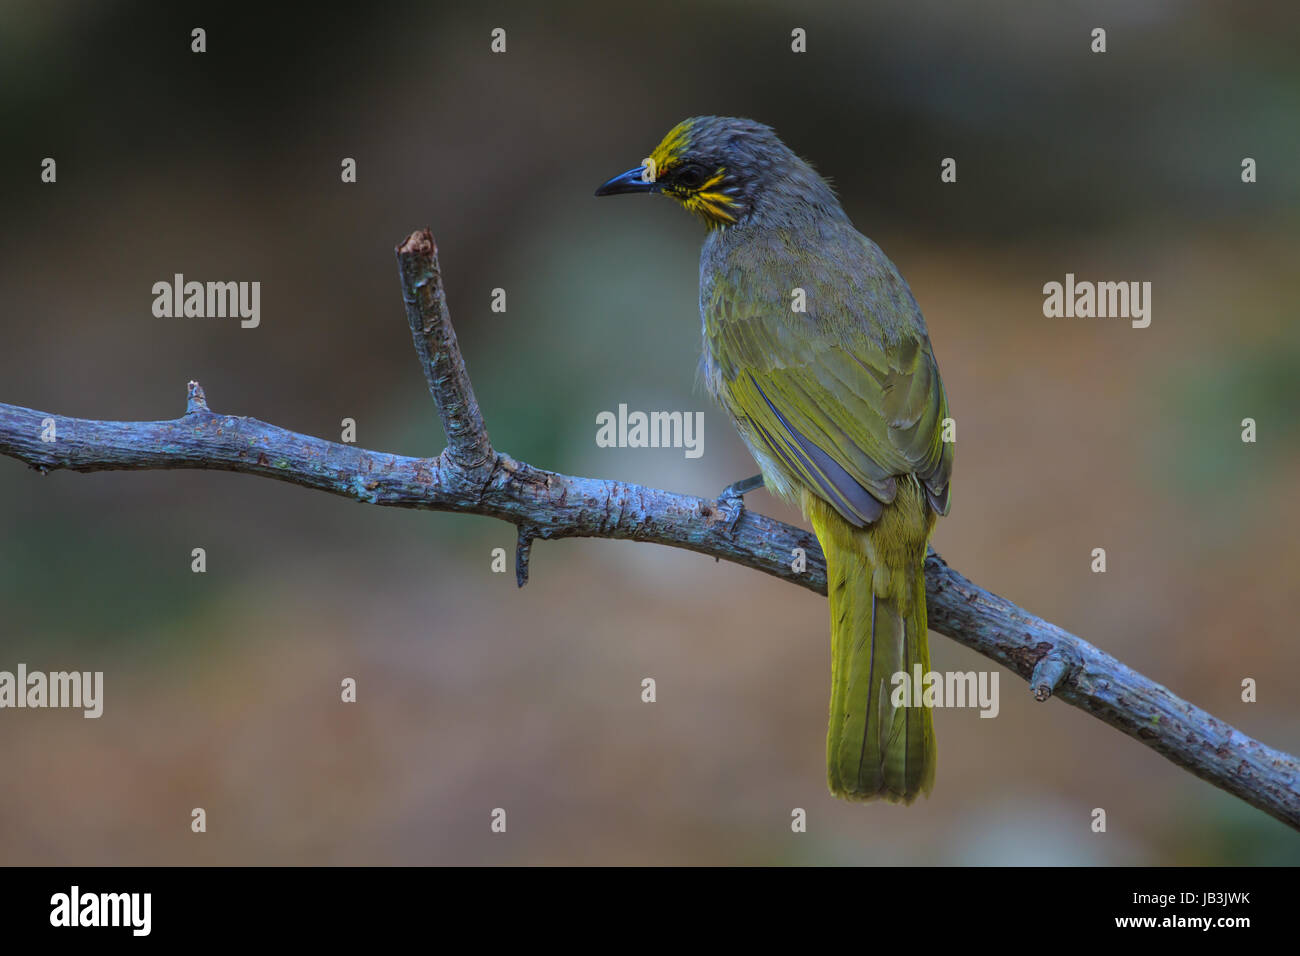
[{"x": 878, "y": 629}]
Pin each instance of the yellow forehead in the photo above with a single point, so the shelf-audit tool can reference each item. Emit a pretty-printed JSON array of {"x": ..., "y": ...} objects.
[{"x": 668, "y": 152}]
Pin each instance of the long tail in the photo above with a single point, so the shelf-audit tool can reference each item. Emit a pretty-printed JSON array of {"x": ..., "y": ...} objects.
[{"x": 876, "y": 583}]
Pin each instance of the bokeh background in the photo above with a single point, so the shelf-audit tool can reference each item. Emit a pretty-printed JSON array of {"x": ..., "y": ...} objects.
[{"x": 222, "y": 689}]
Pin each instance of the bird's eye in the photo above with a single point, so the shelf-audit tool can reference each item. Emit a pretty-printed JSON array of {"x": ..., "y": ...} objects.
[{"x": 692, "y": 176}]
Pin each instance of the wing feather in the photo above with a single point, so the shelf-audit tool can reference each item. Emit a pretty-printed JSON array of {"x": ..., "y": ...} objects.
[{"x": 846, "y": 396}]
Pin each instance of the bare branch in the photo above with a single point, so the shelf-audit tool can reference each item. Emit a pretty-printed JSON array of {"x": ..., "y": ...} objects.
[
  {"x": 471, "y": 478},
  {"x": 435, "y": 343},
  {"x": 523, "y": 552}
]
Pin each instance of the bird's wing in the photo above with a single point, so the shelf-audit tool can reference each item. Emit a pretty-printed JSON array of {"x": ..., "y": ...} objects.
[{"x": 845, "y": 412}]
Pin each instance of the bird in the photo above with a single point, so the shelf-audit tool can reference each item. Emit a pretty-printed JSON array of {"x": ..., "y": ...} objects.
[{"x": 817, "y": 351}]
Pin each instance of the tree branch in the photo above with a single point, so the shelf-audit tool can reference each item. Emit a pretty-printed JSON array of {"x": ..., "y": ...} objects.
[
  {"x": 435, "y": 343},
  {"x": 471, "y": 478}
]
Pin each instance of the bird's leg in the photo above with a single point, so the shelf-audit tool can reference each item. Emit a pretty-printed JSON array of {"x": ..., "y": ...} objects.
[
  {"x": 738, "y": 489},
  {"x": 733, "y": 498}
]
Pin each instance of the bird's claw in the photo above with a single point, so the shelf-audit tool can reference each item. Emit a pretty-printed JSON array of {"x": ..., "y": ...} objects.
[{"x": 732, "y": 499}]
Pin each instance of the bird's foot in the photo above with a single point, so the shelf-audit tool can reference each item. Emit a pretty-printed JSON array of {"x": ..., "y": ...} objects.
[{"x": 732, "y": 499}]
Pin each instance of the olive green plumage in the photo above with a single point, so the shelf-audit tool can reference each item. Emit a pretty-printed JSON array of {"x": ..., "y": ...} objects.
[{"x": 817, "y": 350}]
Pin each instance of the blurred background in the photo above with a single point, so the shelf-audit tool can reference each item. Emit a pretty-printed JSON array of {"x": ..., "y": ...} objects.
[{"x": 222, "y": 689}]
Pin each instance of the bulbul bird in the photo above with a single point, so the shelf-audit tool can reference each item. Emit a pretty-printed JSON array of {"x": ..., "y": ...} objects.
[{"x": 815, "y": 347}]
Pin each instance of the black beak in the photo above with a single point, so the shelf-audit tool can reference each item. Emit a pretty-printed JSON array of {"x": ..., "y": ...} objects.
[{"x": 632, "y": 181}]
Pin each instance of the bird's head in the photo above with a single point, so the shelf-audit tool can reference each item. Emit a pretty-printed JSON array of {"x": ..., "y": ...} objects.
[{"x": 727, "y": 171}]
